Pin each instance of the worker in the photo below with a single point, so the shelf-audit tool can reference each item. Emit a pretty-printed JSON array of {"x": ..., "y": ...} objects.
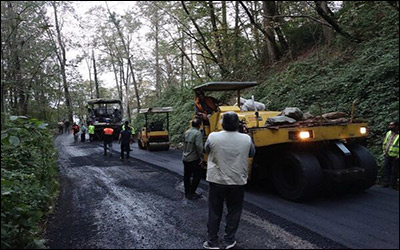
[
  {"x": 125, "y": 138},
  {"x": 108, "y": 136},
  {"x": 132, "y": 129},
  {"x": 91, "y": 132},
  {"x": 391, "y": 153},
  {"x": 75, "y": 131},
  {"x": 66, "y": 126},
  {"x": 60, "y": 127},
  {"x": 192, "y": 159},
  {"x": 205, "y": 106},
  {"x": 227, "y": 173},
  {"x": 83, "y": 132}
]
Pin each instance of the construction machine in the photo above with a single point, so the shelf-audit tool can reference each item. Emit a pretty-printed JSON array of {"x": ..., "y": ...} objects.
[
  {"x": 103, "y": 111},
  {"x": 155, "y": 133},
  {"x": 302, "y": 158}
]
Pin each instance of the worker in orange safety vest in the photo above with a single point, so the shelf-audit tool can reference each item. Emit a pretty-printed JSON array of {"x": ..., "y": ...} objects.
[{"x": 108, "y": 136}]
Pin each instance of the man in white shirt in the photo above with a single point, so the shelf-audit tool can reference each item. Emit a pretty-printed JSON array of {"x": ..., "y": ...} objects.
[{"x": 227, "y": 172}]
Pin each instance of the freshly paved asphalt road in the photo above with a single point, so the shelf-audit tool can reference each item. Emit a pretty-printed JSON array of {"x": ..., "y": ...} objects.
[
  {"x": 365, "y": 220},
  {"x": 106, "y": 203}
]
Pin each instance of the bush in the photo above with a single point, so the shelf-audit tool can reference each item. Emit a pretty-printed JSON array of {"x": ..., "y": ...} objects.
[{"x": 29, "y": 181}]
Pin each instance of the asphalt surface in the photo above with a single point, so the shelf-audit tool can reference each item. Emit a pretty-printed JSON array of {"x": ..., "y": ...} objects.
[{"x": 106, "y": 203}]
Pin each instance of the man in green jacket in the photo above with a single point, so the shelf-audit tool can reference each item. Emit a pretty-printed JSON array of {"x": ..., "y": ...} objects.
[
  {"x": 192, "y": 159},
  {"x": 391, "y": 152}
]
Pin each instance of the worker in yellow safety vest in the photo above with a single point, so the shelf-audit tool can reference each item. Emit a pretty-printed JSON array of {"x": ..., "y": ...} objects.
[
  {"x": 391, "y": 152},
  {"x": 91, "y": 132},
  {"x": 133, "y": 131}
]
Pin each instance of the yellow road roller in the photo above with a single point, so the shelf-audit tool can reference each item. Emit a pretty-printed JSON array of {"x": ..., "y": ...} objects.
[
  {"x": 303, "y": 157},
  {"x": 155, "y": 133}
]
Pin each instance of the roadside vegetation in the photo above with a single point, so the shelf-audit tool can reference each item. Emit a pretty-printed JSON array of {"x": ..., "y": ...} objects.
[{"x": 29, "y": 181}]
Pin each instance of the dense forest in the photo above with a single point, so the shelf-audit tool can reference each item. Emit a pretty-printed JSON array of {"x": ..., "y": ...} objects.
[{"x": 315, "y": 55}]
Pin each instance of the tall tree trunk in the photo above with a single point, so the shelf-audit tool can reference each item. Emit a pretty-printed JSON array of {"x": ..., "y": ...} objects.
[
  {"x": 282, "y": 40},
  {"x": 158, "y": 71},
  {"x": 112, "y": 16},
  {"x": 255, "y": 31},
  {"x": 96, "y": 83},
  {"x": 203, "y": 42},
  {"x": 119, "y": 88},
  {"x": 271, "y": 51},
  {"x": 332, "y": 22},
  {"x": 90, "y": 77},
  {"x": 63, "y": 61},
  {"x": 328, "y": 32},
  {"x": 236, "y": 53},
  {"x": 183, "y": 59},
  {"x": 215, "y": 33}
]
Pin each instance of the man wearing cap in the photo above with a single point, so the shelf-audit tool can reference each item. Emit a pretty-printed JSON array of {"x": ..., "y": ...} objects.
[{"x": 227, "y": 172}]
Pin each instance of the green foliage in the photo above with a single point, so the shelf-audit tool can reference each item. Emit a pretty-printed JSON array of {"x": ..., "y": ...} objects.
[{"x": 28, "y": 181}]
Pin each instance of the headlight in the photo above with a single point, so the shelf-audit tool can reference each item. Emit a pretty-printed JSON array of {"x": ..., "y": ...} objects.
[
  {"x": 363, "y": 130},
  {"x": 304, "y": 135},
  {"x": 301, "y": 135}
]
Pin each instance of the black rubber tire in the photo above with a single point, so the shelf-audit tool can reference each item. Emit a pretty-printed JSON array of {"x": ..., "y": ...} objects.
[
  {"x": 364, "y": 159},
  {"x": 297, "y": 176},
  {"x": 332, "y": 159}
]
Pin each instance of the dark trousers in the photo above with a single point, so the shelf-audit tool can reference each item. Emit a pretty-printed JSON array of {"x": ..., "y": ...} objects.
[
  {"x": 125, "y": 148},
  {"x": 191, "y": 169},
  {"x": 233, "y": 195},
  {"x": 91, "y": 136},
  {"x": 391, "y": 171},
  {"x": 83, "y": 135},
  {"x": 106, "y": 145},
  {"x": 75, "y": 136}
]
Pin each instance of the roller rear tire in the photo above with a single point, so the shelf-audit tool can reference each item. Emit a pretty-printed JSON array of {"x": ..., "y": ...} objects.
[
  {"x": 297, "y": 176},
  {"x": 362, "y": 158}
]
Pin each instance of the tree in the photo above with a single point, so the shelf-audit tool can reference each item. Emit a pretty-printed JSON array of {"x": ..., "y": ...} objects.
[{"x": 62, "y": 58}]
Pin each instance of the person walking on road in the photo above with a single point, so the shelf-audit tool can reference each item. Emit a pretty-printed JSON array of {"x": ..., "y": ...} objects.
[
  {"x": 66, "y": 126},
  {"x": 91, "y": 132},
  {"x": 192, "y": 159},
  {"x": 75, "y": 130},
  {"x": 391, "y": 152},
  {"x": 125, "y": 138},
  {"x": 108, "y": 136},
  {"x": 83, "y": 132},
  {"x": 227, "y": 172},
  {"x": 133, "y": 131},
  {"x": 60, "y": 127}
]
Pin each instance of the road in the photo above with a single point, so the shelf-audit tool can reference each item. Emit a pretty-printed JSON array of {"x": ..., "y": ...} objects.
[{"x": 106, "y": 203}]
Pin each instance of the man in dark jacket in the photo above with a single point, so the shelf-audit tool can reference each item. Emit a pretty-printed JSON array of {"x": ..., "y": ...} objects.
[
  {"x": 192, "y": 159},
  {"x": 125, "y": 138}
]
